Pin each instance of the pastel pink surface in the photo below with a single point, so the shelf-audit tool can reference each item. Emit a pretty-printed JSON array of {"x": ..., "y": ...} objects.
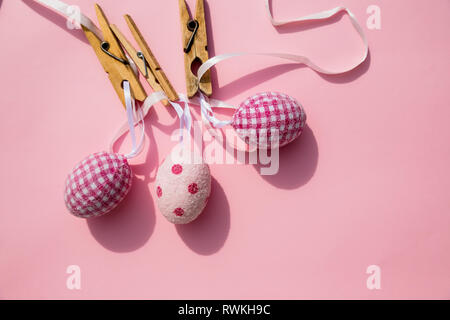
[{"x": 367, "y": 183}]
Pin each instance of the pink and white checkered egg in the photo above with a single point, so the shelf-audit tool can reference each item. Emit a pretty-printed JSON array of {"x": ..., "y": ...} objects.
[
  {"x": 182, "y": 190},
  {"x": 269, "y": 120},
  {"x": 97, "y": 184}
]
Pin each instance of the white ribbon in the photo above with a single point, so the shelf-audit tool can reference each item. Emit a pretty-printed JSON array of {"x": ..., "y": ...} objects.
[
  {"x": 66, "y": 11},
  {"x": 131, "y": 109},
  {"x": 205, "y": 103},
  {"x": 184, "y": 115},
  {"x": 208, "y": 114},
  {"x": 296, "y": 58},
  {"x": 144, "y": 109}
]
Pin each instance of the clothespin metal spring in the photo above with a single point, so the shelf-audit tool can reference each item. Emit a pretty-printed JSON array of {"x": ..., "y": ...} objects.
[
  {"x": 105, "y": 48},
  {"x": 140, "y": 55},
  {"x": 192, "y": 25}
]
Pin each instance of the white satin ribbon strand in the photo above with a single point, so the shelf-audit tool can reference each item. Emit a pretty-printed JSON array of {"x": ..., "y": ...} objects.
[
  {"x": 131, "y": 122},
  {"x": 143, "y": 111},
  {"x": 208, "y": 114},
  {"x": 205, "y": 103},
  {"x": 184, "y": 115},
  {"x": 296, "y": 58},
  {"x": 65, "y": 10}
]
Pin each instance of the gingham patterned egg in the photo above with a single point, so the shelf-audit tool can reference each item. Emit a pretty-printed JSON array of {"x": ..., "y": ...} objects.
[
  {"x": 97, "y": 184},
  {"x": 269, "y": 120},
  {"x": 182, "y": 190}
]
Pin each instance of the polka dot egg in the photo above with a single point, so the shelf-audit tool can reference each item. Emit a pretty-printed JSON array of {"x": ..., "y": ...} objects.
[
  {"x": 269, "y": 120},
  {"x": 182, "y": 190},
  {"x": 97, "y": 184}
]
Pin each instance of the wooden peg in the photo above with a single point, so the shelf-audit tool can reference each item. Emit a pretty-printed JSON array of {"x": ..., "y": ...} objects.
[
  {"x": 154, "y": 65},
  {"x": 149, "y": 76},
  {"x": 194, "y": 30},
  {"x": 153, "y": 71},
  {"x": 117, "y": 71}
]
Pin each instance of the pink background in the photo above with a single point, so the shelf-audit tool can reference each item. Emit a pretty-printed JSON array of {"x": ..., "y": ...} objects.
[{"x": 368, "y": 182}]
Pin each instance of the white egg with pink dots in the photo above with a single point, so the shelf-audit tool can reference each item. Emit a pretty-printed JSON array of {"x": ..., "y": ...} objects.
[{"x": 182, "y": 190}]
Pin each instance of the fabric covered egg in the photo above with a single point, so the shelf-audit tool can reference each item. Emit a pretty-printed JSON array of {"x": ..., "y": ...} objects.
[
  {"x": 182, "y": 190},
  {"x": 269, "y": 120},
  {"x": 97, "y": 184}
]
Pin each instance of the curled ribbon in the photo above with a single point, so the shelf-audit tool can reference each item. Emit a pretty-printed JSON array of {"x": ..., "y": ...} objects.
[
  {"x": 206, "y": 104},
  {"x": 65, "y": 10},
  {"x": 295, "y": 58},
  {"x": 132, "y": 121},
  {"x": 184, "y": 115},
  {"x": 208, "y": 114}
]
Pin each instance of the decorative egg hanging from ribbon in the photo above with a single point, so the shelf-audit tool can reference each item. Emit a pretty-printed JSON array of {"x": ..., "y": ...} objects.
[
  {"x": 182, "y": 190},
  {"x": 97, "y": 184},
  {"x": 269, "y": 120}
]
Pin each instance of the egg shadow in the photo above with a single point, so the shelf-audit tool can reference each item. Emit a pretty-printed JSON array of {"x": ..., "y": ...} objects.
[
  {"x": 297, "y": 162},
  {"x": 55, "y": 18},
  {"x": 207, "y": 234},
  {"x": 129, "y": 226}
]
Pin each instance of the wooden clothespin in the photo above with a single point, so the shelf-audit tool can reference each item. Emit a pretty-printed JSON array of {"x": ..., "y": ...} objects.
[
  {"x": 113, "y": 59},
  {"x": 146, "y": 61},
  {"x": 195, "y": 46}
]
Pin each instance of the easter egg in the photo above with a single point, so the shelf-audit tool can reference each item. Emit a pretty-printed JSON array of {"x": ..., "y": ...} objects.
[
  {"x": 182, "y": 190},
  {"x": 269, "y": 120},
  {"x": 97, "y": 184}
]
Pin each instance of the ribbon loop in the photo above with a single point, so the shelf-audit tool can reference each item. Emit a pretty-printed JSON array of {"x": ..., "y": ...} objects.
[
  {"x": 205, "y": 103},
  {"x": 185, "y": 117},
  {"x": 65, "y": 10},
  {"x": 296, "y": 58},
  {"x": 208, "y": 114},
  {"x": 132, "y": 114}
]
